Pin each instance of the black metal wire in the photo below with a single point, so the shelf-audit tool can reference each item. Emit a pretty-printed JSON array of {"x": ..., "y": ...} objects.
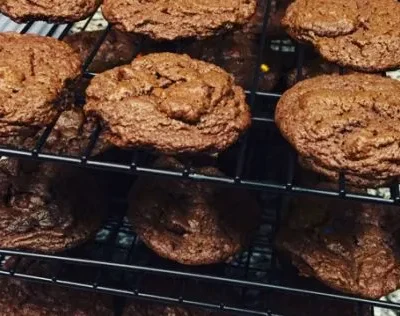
[{"x": 133, "y": 267}]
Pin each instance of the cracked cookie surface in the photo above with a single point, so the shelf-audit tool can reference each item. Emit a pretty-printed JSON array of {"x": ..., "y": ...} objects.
[
  {"x": 48, "y": 10},
  {"x": 46, "y": 208},
  {"x": 345, "y": 123},
  {"x": 361, "y": 34},
  {"x": 349, "y": 246},
  {"x": 191, "y": 223},
  {"x": 169, "y": 103},
  {"x": 35, "y": 75},
  {"x": 174, "y": 19}
]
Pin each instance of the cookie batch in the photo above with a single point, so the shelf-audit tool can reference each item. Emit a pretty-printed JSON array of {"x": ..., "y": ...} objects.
[
  {"x": 192, "y": 223},
  {"x": 341, "y": 118}
]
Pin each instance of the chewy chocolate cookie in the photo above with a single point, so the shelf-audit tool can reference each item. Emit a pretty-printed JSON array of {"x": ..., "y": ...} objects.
[
  {"x": 349, "y": 246},
  {"x": 360, "y": 34},
  {"x": 237, "y": 54},
  {"x": 35, "y": 76},
  {"x": 345, "y": 123},
  {"x": 170, "y": 103},
  {"x": 117, "y": 49},
  {"x": 21, "y": 298},
  {"x": 174, "y": 19},
  {"x": 48, "y": 10},
  {"x": 47, "y": 208},
  {"x": 191, "y": 223}
]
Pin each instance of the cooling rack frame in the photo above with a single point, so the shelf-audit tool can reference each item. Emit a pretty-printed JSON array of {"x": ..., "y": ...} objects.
[{"x": 281, "y": 189}]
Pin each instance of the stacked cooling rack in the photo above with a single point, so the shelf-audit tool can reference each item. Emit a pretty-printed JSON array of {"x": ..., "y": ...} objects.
[{"x": 253, "y": 283}]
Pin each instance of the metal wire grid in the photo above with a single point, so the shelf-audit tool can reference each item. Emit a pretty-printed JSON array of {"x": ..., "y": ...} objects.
[
  {"x": 118, "y": 263},
  {"x": 253, "y": 283},
  {"x": 262, "y": 104},
  {"x": 121, "y": 268}
]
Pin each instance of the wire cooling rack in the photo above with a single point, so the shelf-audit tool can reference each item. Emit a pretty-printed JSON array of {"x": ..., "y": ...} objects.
[
  {"x": 254, "y": 282},
  {"x": 262, "y": 104}
]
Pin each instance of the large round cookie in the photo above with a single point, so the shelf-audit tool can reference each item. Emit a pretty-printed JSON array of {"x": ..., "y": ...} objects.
[
  {"x": 361, "y": 34},
  {"x": 48, "y": 10},
  {"x": 345, "y": 123},
  {"x": 349, "y": 246},
  {"x": 191, "y": 223},
  {"x": 47, "y": 208},
  {"x": 21, "y": 298},
  {"x": 35, "y": 75},
  {"x": 170, "y": 103},
  {"x": 174, "y": 19}
]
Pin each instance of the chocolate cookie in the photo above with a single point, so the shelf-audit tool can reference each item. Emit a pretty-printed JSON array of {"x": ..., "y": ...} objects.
[
  {"x": 174, "y": 19},
  {"x": 48, "y": 10},
  {"x": 21, "y": 298},
  {"x": 35, "y": 76},
  {"x": 345, "y": 123},
  {"x": 360, "y": 34},
  {"x": 237, "y": 54},
  {"x": 170, "y": 103},
  {"x": 349, "y": 246},
  {"x": 117, "y": 48},
  {"x": 47, "y": 208},
  {"x": 191, "y": 223}
]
